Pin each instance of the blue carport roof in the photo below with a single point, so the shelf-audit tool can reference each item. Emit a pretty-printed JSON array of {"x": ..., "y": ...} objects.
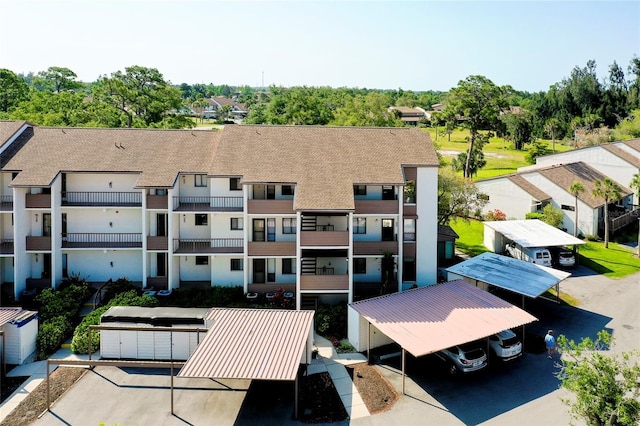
[{"x": 511, "y": 274}]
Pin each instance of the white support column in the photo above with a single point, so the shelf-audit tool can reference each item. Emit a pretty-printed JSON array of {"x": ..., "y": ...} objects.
[
  {"x": 22, "y": 263},
  {"x": 145, "y": 232},
  {"x": 298, "y": 260},
  {"x": 400, "y": 259},
  {"x": 56, "y": 231},
  {"x": 350, "y": 256},
  {"x": 245, "y": 244},
  {"x": 173, "y": 228}
]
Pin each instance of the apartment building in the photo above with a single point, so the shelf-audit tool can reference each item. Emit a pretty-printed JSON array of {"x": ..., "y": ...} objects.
[{"x": 312, "y": 210}]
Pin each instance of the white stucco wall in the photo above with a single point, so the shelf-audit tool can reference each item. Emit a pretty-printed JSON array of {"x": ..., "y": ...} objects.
[
  {"x": 358, "y": 329},
  {"x": 95, "y": 265},
  {"x": 373, "y": 271},
  {"x": 427, "y": 226},
  {"x": 189, "y": 271},
  {"x": 222, "y": 274},
  {"x": 103, "y": 220},
  {"x": 99, "y": 182},
  {"x": 507, "y": 197}
]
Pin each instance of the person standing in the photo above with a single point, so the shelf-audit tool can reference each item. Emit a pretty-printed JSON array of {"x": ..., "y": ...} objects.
[{"x": 550, "y": 343}]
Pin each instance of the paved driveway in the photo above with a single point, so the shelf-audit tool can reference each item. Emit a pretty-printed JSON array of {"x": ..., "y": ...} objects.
[{"x": 525, "y": 393}]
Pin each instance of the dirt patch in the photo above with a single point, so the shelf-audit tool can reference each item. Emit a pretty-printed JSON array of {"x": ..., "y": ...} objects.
[
  {"x": 320, "y": 402},
  {"x": 376, "y": 392},
  {"x": 36, "y": 402}
]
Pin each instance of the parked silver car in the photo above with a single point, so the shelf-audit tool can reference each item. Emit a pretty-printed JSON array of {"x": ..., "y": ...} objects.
[{"x": 464, "y": 358}]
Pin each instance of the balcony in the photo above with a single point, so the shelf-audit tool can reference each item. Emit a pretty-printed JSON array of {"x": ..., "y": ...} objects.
[
  {"x": 157, "y": 243},
  {"x": 324, "y": 282},
  {"x": 38, "y": 243},
  {"x": 6, "y": 203},
  {"x": 6, "y": 246},
  {"x": 102, "y": 240},
  {"x": 376, "y": 206},
  {"x": 409, "y": 210},
  {"x": 208, "y": 204},
  {"x": 324, "y": 238},
  {"x": 277, "y": 248},
  {"x": 270, "y": 206},
  {"x": 205, "y": 246},
  {"x": 157, "y": 202},
  {"x": 374, "y": 247},
  {"x": 38, "y": 201},
  {"x": 102, "y": 199}
]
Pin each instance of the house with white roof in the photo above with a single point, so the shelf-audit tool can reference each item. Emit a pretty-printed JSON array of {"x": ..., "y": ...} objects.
[{"x": 310, "y": 210}]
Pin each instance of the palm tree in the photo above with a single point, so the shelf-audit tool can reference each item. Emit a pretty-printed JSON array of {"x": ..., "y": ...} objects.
[
  {"x": 635, "y": 184},
  {"x": 552, "y": 127},
  {"x": 609, "y": 191},
  {"x": 576, "y": 189}
]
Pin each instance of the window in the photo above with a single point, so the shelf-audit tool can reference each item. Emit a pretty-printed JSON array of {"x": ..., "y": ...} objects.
[
  {"x": 388, "y": 193},
  {"x": 359, "y": 265},
  {"x": 236, "y": 264},
  {"x": 271, "y": 229},
  {"x": 237, "y": 224},
  {"x": 287, "y": 189},
  {"x": 409, "y": 229},
  {"x": 288, "y": 266},
  {"x": 359, "y": 190},
  {"x": 234, "y": 184},
  {"x": 202, "y": 260},
  {"x": 202, "y": 220},
  {"x": 410, "y": 192},
  {"x": 271, "y": 192},
  {"x": 289, "y": 225},
  {"x": 200, "y": 180},
  {"x": 566, "y": 207},
  {"x": 359, "y": 225}
]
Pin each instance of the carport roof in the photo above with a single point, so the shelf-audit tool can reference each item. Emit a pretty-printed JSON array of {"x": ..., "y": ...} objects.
[
  {"x": 261, "y": 344},
  {"x": 432, "y": 318},
  {"x": 533, "y": 233},
  {"x": 511, "y": 274}
]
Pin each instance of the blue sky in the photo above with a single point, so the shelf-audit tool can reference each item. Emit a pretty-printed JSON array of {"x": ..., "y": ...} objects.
[{"x": 413, "y": 45}]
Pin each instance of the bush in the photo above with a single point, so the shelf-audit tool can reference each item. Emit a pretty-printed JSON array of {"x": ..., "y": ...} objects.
[
  {"x": 591, "y": 237},
  {"x": 51, "y": 334},
  {"x": 534, "y": 215},
  {"x": 495, "y": 215},
  {"x": 204, "y": 297},
  {"x": 80, "y": 341},
  {"x": 121, "y": 285},
  {"x": 331, "y": 321},
  {"x": 65, "y": 301}
]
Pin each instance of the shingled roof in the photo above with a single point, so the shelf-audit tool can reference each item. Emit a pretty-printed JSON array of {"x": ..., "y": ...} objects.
[
  {"x": 40, "y": 153},
  {"x": 621, "y": 153},
  {"x": 8, "y": 129},
  {"x": 529, "y": 188},
  {"x": 324, "y": 162},
  {"x": 632, "y": 143},
  {"x": 564, "y": 175}
]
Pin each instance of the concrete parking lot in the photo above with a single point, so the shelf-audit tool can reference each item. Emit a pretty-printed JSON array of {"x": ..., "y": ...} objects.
[{"x": 525, "y": 393}]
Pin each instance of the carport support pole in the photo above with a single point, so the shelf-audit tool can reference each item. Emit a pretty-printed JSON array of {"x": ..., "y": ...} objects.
[
  {"x": 48, "y": 397},
  {"x": 172, "y": 386},
  {"x": 368, "y": 342},
  {"x": 295, "y": 398},
  {"x": 404, "y": 373}
]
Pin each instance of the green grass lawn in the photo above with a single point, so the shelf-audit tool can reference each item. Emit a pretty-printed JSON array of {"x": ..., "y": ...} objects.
[
  {"x": 501, "y": 157},
  {"x": 617, "y": 261}
]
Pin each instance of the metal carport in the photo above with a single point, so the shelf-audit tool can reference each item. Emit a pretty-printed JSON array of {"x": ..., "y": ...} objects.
[
  {"x": 428, "y": 319},
  {"x": 518, "y": 276},
  {"x": 527, "y": 233},
  {"x": 260, "y": 344}
]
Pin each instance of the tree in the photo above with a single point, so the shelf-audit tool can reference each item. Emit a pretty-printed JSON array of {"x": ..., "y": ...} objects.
[
  {"x": 57, "y": 79},
  {"x": 552, "y": 216},
  {"x": 457, "y": 197},
  {"x": 477, "y": 160},
  {"x": 606, "y": 385},
  {"x": 552, "y": 128},
  {"x": 576, "y": 188},
  {"x": 609, "y": 191},
  {"x": 366, "y": 110},
  {"x": 54, "y": 109},
  {"x": 629, "y": 128},
  {"x": 519, "y": 128},
  {"x": 477, "y": 101},
  {"x": 141, "y": 98},
  {"x": 13, "y": 90},
  {"x": 537, "y": 148},
  {"x": 635, "y": 184}
]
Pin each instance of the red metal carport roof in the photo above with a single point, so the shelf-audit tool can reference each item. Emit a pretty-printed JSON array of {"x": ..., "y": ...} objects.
[
  {"x": 431, "y": 318},
  {"x": 261, "y": 344}
]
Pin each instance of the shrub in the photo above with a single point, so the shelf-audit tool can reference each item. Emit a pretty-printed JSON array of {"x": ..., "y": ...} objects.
[
  {"x": 65, "y": 301},
  {"x": 591, "y": 237},
  {"x": 80, "y": 341},
  {"x": 51, "y": 334},
  {"x": 534, "y": 215},
  {"x": 121, "y": 285},
  {"x": 217, "y": 296},
  {"x": 331, "y": 321},
  {"x": 495, "y": 215}
]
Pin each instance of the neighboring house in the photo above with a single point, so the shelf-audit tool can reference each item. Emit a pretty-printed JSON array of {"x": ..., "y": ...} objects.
[
  {"x": 214, "y": 106},
  {"x": 446, "y": 244},
  {"x": 312, "y": 210},
  {"x": 619, "y": 161},
  {"x": 529, "y": 190},
  {"x": 410, "y": 116}
]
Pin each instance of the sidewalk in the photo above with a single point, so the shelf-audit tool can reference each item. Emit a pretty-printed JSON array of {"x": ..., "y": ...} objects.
[
  {"x": 37, "y": 372},
  {"x": 334, "y": 363}
]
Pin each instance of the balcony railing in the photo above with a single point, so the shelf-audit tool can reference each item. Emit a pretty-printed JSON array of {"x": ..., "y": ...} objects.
[
  {"x": 324, "y": 282},
  {"x": 102, "y": 240},
  {"x": 324, "y": 238},
  {"x": 270, "y": 206},
  {"x": 157, "y": 243},
  {"x": 102, "y": 199},
  {"x": 213, "y": 245},
  {"x": 6, "y": 246},
  {"x": 38, "y": 201},
  {"x": 208, "y": 204},
  {"x": 38, "y": 243},
  {"x": 157, "y": 202},
  {"x": 6, "y": 203},
  {"x": 376, "y": 206},
  {"x": 374, "y": 247},
  {"x": 276, "y": 248}
]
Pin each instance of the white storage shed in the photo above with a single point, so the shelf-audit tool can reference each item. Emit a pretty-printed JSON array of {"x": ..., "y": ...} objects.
[
  {"x": 147, "y": 343},
  {"x": 19, "y": 328}
]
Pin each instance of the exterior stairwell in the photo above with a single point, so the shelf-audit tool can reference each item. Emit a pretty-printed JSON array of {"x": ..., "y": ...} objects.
[
  {"x": 308, "y": 223},
  {"x": 308, "y": 266},
  {"x": 309, "y": 302}
]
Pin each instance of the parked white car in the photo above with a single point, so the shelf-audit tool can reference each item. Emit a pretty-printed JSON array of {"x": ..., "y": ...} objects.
[{"x": 505, "y": 345}]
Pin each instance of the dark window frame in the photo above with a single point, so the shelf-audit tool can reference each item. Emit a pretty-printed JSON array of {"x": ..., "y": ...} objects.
[
  {"x": 357, "y": 228},
  {"x": 200, "y": 181},
  {"x": 359, "y": 189},
  {"x": 236, "y": 265},
  {"x": 292, "y": 227},
  {"x": 359, "y": 265},
  {"x": 237, "y": 224},
  {"x": 234, "y": 184},
  {"x": 202, "y": 260},
  {"x": 201, "y": 219}
]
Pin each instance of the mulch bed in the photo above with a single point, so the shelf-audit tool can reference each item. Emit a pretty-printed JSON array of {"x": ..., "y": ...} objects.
[{"x": 376, "y": 391}]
